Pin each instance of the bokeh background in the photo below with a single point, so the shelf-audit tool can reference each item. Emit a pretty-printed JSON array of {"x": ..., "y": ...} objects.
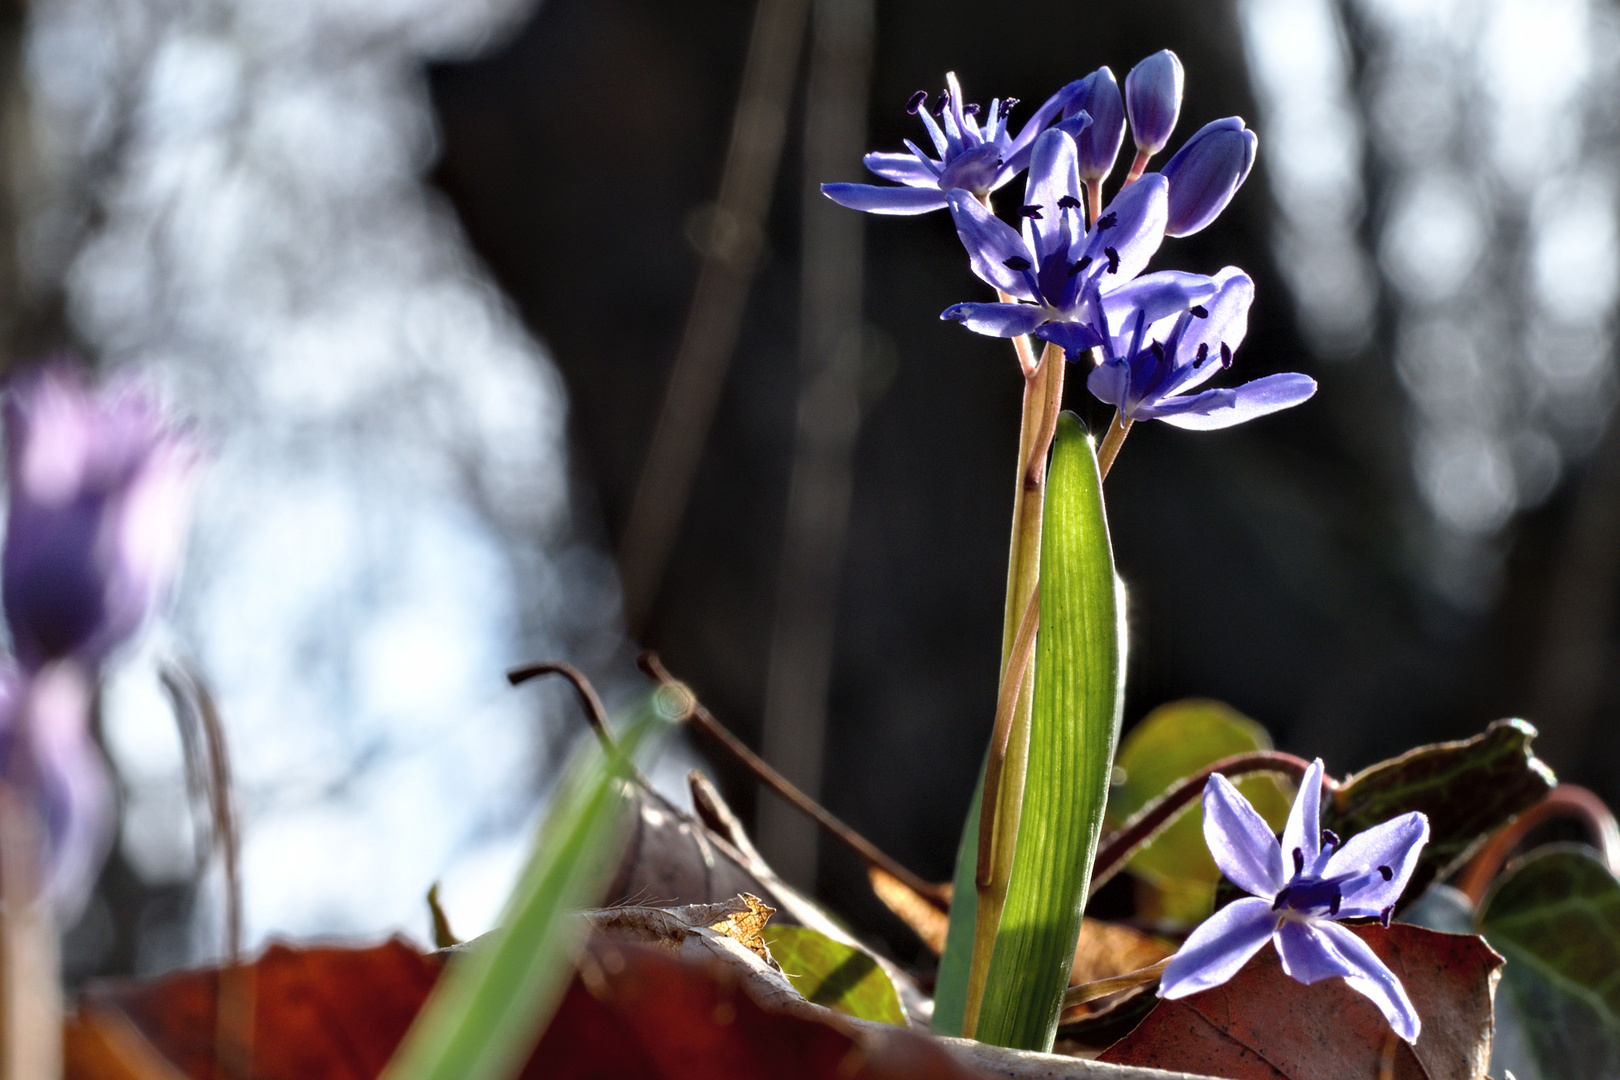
[{"x": 421, "y": 272}]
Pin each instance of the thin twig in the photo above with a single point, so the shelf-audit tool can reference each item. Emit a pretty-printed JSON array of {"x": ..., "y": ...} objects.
[
  {"x": 588, "y": 698},
  {"x": 691, "y": 709},
  {"x": 1138, "y": 166},
  {"x": 1091, "y": 991},
  {"x": 1023, "y": 649},
  {"x": 208, "y": 759},
  {"x": 1563, "y": 801},
  {"x": 1113, "y": 851}
]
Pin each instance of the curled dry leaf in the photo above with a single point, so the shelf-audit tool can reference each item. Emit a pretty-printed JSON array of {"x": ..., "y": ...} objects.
[{"x": 1262, "y": 1025}]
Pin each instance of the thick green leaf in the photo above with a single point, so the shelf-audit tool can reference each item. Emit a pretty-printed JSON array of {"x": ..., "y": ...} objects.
[
  {"x": 1172, "y": 742},
  {"x": 1555, "y": 916},
  {"x": 491, "y": 1006},
  {"x": 1079, "y": 682},
  {"x": 1467, "y": 789},
  {"x": 831, "y": 973}
]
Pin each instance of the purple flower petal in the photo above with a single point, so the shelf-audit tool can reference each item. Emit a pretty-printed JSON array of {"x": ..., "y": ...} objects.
[
  {"x": 902, "y": 169},
  {"x": 1073, "y": 338},
  {"x": 1132, "y": 228},
  {"x": 71, "y": 784},
  {"x": 1018, "y": 148},
  {"x": 998, "y": 254},
  {"x": 1382, "y": 858},
  {"x": 885, "y": 200},
  {"x": 1206, "y": 172},
  {"x": 1110, "y": 381},
  {"x": 1226, "y": 323},
  {"x": 1239, "y": 839},
  {"x": 996, "y": 320},
  {"x": 1303, "y": 833},
  {"x": 1215, "y": 409},
  {"x": 976, "y": 170},
  {"x": 1373, "y": 980},
  {"x": 1158, "y": 295},
  {"x": 1099, "y": 143},
  {"x": 1053, "y": 178},
  {"x": 1153, "y": 100},
  {"x": 1219, "y": 948},
  {"x": 1307, "y": 956}
]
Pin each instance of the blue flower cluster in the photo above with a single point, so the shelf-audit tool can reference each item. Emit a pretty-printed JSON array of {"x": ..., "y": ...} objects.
[{"x": 1073, "y": 273}]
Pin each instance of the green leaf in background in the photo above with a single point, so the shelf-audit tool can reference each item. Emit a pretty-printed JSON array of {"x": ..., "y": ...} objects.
[
  {"x": 490, "y": 1008},
  {"x": 1555, "y": 916},
  {"x": 831, "y": 973},
  {"x": 950, "y": 985},
  {"x": 1175, "y": 872},
  {"x": 1466, "y": 788},
  {"x": 1079, "y": 683}
]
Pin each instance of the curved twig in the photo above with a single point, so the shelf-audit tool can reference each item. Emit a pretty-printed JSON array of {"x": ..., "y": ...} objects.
[
  {"x": 588, "y": 699},
  {"x": 684, "y": 705},
  {"x": 1113, "y": 851},
  {"x": 1091, "y": 991},
  {"x": 1563, "y": 801}
]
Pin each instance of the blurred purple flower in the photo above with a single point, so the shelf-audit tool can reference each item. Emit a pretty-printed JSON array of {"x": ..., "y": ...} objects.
[
  {"x": 100, "y": 489},
  {"x": 1150, "y": 368},
  {"x": 973, "y": 157},
  {"x": 1153, "y": 100},
  {"x": 1359, "y": 878},
  {"x": 1072, "y": 284},
  {"x": 1206, "y": 172},
  {"x": 1098, "y": 145},
  {"x": 49, "y": 760}
]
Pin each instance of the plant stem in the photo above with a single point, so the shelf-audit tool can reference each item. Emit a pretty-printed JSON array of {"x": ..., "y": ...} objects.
[
  {"x": 1043, "y": 397},
  {"x": 1006, "y": 704},
  {"x": 1091, "y": 991},
  {"x": 30, "y": 990},
  {"x": 692, "y": 710},
  {"x": 1138, "y": 166},
  {"x": 1093, "y": 201},
  {"x": 1109, "y": 450},
  {"x": 1563, "y": 801}
]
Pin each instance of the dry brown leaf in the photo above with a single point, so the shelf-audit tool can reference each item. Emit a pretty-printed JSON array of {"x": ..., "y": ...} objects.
[
  {"x": 924, "y": 919},
  {"x": 1108, "y": 949}
]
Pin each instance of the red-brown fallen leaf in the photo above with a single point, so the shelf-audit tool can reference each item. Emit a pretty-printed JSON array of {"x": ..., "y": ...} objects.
[
  {"x": 1262, "y": 1025},
  {"x": 336, "y": 1014},
  {"x": 318, "y": 1013}
]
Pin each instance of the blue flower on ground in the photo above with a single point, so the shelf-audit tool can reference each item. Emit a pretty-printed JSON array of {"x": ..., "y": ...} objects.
[
  {"x": 973, "y": 156},
  {"x": 1150, "y": 370},
  {"x": 1300, "y": 887},
  {"x": 99, "y": 494},
  {"x": 1072, "y": 284}
]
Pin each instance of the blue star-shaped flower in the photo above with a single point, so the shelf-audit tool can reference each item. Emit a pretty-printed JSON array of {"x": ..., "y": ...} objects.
[
  {"x": 1150, "y": 370},
  {"x": 1072, "y": 284},
  {"x": 978, "y": 159},
  {"x": 1296, "y": 911}
]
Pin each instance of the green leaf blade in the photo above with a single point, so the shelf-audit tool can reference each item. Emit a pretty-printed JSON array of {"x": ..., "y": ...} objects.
[
  {"x": 494, "y": 1000},
  {"x": 835, "y": 974},
  {"x": 1079, "y": 669}
]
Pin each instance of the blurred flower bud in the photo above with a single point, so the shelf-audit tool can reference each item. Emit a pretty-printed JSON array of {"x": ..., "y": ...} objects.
[
  {"x": 1098, "y": 143},
  {"x": 1206, "y": 172},
  {"x": 1153, "y": 100},
  {"x": 100, "y": 492}
]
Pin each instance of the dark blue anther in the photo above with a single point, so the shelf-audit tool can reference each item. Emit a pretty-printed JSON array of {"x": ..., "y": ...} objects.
[
  {"x": 1330, "y": 838},
  {"x": 1108, "y": 220},
  {"x": 1226, "y": 355},
  {"x": 1199, "y": 311},
  {"x": 1389, "y": 874},
  {"x": 1203, "y": 354},
  {"x": 1069, "y": 202},
  {"x": 1113, "y": 260},
  {"x": 1007, "y": 107},
  {"x": 1030, "y": 211},
  {"x": 970, "y": 110},
  {"x": 1157, "y": 350},
  {"x": 1079, "y": 266},
  {"x": 1017, "y": 262},
  {"x": 1299, "y": 862},
  {"x": 915, "y": 101},
  {"x": 1333, "y": 908},
  {"x": 1282, "y": 898}
]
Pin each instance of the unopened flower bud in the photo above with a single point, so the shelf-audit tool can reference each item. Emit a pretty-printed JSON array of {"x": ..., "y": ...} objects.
[
  {"x": 1153, "y": 100},
  {"x": 1099, "y": 142},
  {"x": 1206, "y": 172}
]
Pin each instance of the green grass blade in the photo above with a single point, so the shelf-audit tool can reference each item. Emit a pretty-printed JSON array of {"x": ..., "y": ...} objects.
[
  {"x": 950, "y": 988},
  {"x": 490, "y": 1008},
  {"x": 1079, "y": 679}
]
